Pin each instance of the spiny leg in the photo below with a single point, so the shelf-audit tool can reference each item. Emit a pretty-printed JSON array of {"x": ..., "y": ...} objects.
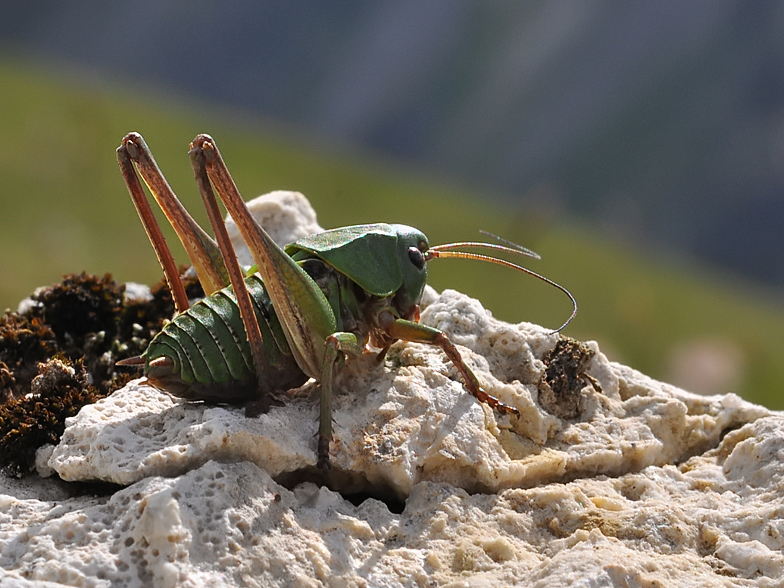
[
  {"x": 201, "y": 249},
  {"x": 152, "y": 227},
  {"x": 411, "y": 331},
  {"x": 252, "y": 328}
]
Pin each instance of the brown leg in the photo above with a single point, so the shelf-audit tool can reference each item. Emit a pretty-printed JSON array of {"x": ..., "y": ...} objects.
[
  {"x": 411, "y": 331},
  {"x": 236, "y": 274},
  {"x": 201, "y": 249},
  {"x": 152, "y": 228}
]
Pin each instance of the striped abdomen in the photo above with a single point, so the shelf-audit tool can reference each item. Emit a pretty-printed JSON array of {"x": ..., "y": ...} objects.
[{"x": 203, "y": 353}]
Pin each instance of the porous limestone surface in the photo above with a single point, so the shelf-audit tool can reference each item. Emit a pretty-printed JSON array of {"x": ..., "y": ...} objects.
[
  {"x": 644, "y": 485},
  {"x": 714, "y": 520}
]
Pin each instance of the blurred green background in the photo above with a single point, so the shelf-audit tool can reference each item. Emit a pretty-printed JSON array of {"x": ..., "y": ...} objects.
[{"x": 65, "y": 210}]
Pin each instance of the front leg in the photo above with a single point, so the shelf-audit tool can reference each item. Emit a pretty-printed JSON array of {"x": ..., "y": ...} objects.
[
  {"x": 398, "y": 328},
  {"x": 337, "y": 346}
]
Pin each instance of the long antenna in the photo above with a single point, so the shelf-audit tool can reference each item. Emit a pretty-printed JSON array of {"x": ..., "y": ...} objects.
[
  {"x": 512, "y": 244},
  {"x": 520, "y": 251},
  {"x": 445, "y": 251}
]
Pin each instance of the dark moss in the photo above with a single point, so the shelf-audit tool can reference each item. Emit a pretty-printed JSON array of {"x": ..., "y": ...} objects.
[
  {"x": 80, "y": 305},
  {"x": 24, "y": 341},
  {"x": 565, "y": 376},
  {"x": 58, "y": 391},
  {"x": 84, "y": 323}
]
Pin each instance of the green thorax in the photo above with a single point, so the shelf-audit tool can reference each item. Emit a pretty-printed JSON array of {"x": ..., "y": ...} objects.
[{"x": 375, "y": 256}]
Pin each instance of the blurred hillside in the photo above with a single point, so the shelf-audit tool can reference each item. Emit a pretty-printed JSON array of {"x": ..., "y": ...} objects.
[
  {"x": 67, "y": 210},
  {"x": 658, "y": 121}
]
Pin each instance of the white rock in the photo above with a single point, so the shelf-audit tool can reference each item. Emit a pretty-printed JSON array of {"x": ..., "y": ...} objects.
[
  {"x": 136, "y": 293},
  {"x": 230, "y": 524}
]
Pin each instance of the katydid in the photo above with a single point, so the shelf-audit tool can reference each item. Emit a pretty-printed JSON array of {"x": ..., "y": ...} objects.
[{"x": 310, "y": 307}]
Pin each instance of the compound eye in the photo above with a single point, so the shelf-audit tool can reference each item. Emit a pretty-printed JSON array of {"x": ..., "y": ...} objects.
[{"x": 416, "y": 257}]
